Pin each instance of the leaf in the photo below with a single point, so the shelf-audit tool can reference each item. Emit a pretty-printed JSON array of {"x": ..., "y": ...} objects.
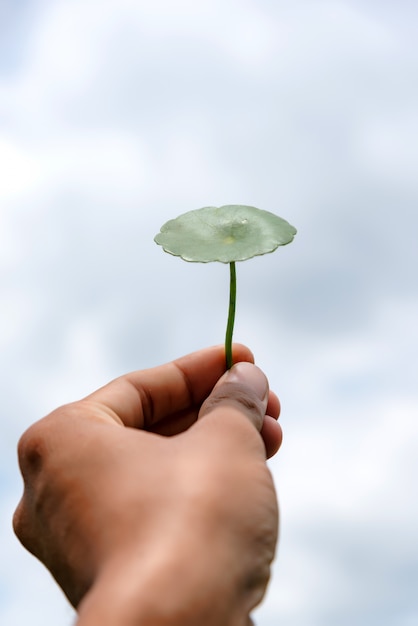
[{"x": 228, "y": 233}]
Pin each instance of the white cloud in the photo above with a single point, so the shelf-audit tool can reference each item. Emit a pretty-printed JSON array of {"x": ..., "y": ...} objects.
[
  {"x": 20, "y": 170},
  {"x": 388, "y": 148},
  {"x": 122, "y": 115}
]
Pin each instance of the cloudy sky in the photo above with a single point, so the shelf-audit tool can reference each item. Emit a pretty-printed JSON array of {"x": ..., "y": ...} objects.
[{"x": 118, "y": 115}]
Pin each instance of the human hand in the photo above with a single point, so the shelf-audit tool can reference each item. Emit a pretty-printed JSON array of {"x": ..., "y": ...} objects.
[{"x": 141, "y": 529}]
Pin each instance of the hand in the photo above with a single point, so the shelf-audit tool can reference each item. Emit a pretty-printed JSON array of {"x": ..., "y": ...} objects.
[{"x": 141, "y": 529}]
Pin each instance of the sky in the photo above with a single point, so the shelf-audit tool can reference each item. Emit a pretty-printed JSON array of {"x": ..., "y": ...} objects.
[{"x": 117, "y": 116}]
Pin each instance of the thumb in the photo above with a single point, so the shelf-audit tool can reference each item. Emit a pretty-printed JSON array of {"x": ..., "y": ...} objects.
[{"x": 243, "y": 387}]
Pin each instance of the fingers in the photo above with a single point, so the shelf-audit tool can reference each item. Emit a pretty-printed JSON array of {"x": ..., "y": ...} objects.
[
  {"x": 272, "y": 435},
  {"x": 143, "y": 398},
  {"x": 245, "y": 389},
  {"x": 273, "y": 406}
]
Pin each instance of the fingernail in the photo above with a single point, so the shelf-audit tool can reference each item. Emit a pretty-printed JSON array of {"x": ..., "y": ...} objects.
[{"x": 250, "y": 375}]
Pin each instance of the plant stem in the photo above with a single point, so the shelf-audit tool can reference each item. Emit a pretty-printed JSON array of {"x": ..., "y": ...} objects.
[{"x": 231, "y": 314}]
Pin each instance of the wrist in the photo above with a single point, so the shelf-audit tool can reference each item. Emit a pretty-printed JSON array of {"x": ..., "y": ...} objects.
[{"x": 180, "y": 587}]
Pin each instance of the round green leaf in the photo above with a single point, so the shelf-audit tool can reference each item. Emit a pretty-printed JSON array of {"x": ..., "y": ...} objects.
[{"x": 226, "y": 234}]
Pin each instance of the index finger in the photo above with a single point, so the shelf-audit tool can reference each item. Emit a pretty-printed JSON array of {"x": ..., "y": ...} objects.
[{"x": 143, "y": 398}]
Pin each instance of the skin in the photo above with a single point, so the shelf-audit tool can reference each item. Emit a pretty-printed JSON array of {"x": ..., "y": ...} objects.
[{"x": 150, "y": 500}]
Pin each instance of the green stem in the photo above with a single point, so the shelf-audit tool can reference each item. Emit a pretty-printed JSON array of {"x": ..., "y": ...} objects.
[{"x": 231, "y": 315}]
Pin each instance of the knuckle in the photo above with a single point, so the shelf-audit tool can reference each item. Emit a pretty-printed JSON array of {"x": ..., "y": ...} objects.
[
  {"x": 19, "y": 521},
  {"x": 29, "y": 520},
  {"x": 238, "y": 396},
  {"x": 32, "y": 450},
  {"x": 26, "y": 527},
  {"x": 249, "y": 403}
]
